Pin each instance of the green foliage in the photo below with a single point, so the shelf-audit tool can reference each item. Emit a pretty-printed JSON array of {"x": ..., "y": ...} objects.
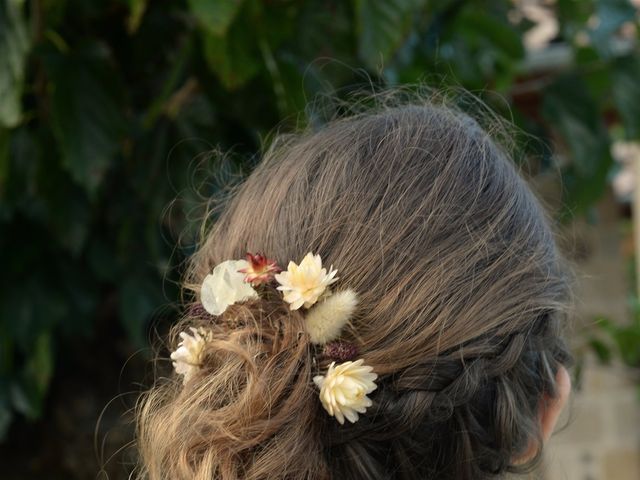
[
  {"x": 620, "y": 340},
  {"x": 14, "y": 46},
  {"x": 106, "y": 108}
]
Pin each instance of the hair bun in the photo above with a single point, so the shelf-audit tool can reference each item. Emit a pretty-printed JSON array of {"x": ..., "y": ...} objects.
[{"x": 249, "y": 406}]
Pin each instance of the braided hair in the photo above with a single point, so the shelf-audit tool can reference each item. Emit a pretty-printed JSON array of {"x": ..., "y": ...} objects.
[{"x": 463, "y": 297}]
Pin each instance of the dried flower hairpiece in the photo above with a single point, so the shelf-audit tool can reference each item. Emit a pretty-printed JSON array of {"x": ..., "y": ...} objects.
[
  {"x": 225, "y": 286},
  {"x": 260, "y": 269},
  {"x": 344, "y": 388},
  {"x": 302, "y": 285},
  {"x": 188, "y": 357}
]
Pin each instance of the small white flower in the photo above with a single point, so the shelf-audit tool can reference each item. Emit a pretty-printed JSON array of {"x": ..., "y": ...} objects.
[
  {"x": 225, "y": 286},
  {"x": 187, "y": 358},
  {"x": 303, "y": 284},
  {"x": 344, "y": 389}
]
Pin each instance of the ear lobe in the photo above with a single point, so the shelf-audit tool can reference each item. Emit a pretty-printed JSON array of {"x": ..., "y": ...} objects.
[
  {"x": 552, "y": 407},
  {"x": 549, "y": 412}
]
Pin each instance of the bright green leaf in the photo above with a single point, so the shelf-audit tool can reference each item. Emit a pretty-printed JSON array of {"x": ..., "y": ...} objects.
[
  {"x": 382, "y": 25},
  {"x": 215, "y": 15},
  {"x": 14, "y": 46}
]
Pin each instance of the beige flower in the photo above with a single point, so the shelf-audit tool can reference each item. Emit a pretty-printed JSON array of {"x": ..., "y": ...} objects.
[
  {"x": 303, "y": 284},
  {"x": 187, "y": 358},
  {"x": 225, "y": 286},
  {"x": 344, "y": 389},
  {"x": 326, "y": 319}
]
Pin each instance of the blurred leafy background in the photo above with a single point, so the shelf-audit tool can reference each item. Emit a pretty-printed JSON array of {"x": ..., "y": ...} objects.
[{"x": 105, "y": 107}]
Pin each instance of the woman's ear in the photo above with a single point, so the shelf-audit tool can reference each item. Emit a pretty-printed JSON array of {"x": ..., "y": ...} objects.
[
  {"x": 549, "y": 412},
  {"x": 551, "y": 407}
]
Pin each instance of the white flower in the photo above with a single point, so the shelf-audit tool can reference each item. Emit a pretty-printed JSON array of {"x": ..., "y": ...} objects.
[
  {"x": 187, "y": 358},
  {"x": 225, "y": 286},
  {"x": 325, "y": 321},
  {"x": 344, "y": 389},
  {"x": 303, "y": 284}
]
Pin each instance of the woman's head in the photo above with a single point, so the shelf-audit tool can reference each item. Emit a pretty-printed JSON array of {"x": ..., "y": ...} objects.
[{"x": 461, "y": 294}]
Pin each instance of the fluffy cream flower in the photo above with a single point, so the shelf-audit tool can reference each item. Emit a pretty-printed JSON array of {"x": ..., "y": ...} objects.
[
  {"x": 187, "y": 357},
  {"x": 303, "y": 284},
  {"x": 325, "y": 320},
  {"x": 344, "y": 389},
  {"x": 225, "y": 286}
]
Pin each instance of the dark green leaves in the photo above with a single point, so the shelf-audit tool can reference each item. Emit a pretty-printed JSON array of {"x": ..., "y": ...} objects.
[
  {"x": 215, "y": 15},
  {"x": 85, "y": 115},
  {"x": 381, "y": 26},
  {"x": 235, "y": 58},
  {"x": 108, "y": 112},
  {"x": 14, "y": 46},
  {"x": 573, "y": 112},
  {"x": 626, "y": 93},
  {"x": 140, "y": 296}
]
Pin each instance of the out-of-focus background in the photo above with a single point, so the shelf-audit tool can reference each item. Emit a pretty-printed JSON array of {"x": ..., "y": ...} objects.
[{"x": 108, "y": 112}]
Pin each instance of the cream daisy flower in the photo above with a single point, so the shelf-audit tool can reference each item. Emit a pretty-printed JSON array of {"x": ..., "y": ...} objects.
[
  {"x": 303, "y": 284},
  {"x": 225, "y": 286},
  {"x": 187, "y": 358},
  {"x": 344, "y": 389}
]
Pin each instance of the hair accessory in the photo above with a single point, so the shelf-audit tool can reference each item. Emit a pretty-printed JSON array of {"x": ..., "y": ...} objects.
[
  {"x": 225, "y": 286},
  {"x": 260, "y": 270},
  {"x": 302, "y": 285},
  {"x": 187, "y": 358},
  {"x": 344, "y": 389},
  {"x": 325, "y": 321},
  {"x": 340, "y": 351}
]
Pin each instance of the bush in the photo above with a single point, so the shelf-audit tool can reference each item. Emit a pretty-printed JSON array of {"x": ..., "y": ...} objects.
[{"x": 104, "y": 105}]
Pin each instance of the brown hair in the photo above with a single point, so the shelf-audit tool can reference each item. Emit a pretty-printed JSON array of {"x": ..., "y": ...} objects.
[{"x": 462, "y": 297}]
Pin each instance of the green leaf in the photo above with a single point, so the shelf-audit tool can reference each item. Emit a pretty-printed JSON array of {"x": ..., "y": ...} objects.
[
  {"x": 381, "y": 26},
  {"x": 626, "y": 93},
  {"x": 234, "y": 58},
  {"x": 492, "y": 29},
  {"x": 28, "y": 394},
  {"x": 86, "y": 120},
  {"x": 598, "y": 80},
  {"x": 39, "y": 366},
  {"x": 139, "y": 298},
  {"x": 14, "y": 46},
  {"x": 569, "y": 107},
  {"x": 601, "y": 349},
  {"x": 628, "y": 339},
  {"x": 215, "y": 15},
  {"x": 136, "y": 12}
]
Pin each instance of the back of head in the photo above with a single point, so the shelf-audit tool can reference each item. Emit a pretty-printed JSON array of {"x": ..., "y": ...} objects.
[{"x": 461, "y": 298}]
